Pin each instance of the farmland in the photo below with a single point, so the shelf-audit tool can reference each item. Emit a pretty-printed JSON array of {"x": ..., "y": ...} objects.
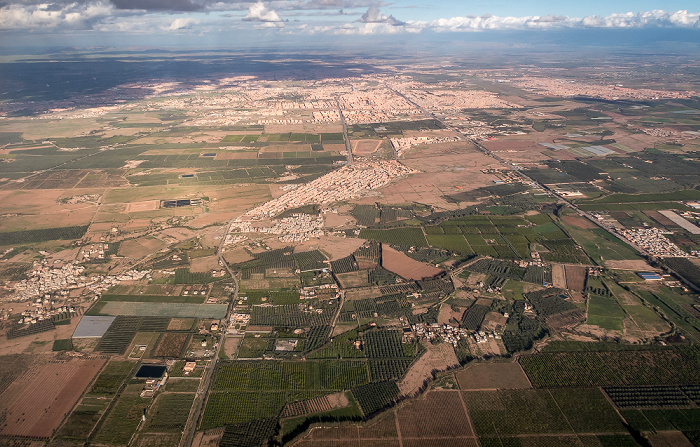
[
  {"x": 123, "y": 418},
  {"x": 375, "y": 397},
  {"x": 169, "y": 413},
  {"x": 143, "y": 196},
  {"x": 290, "y": 376},
  {"x": 511, "y": 412},
  {"x": 41, "y": 391},
  {"x": 621, "y": 368},
  {"x": 171, "y": 345}
]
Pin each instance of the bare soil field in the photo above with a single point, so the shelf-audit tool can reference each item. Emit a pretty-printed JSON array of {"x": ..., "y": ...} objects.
[
  {"x": 493, "y": 321},
  {"x": 443, "y": 167},
  {"x": 518, "y": 150},
  {"x": 559, "y": 276},
  {"x": 237, "y": 255},
  {"x": 406, "y": 267},
  {"x": 238, "y": 155},
  {"x": 146, "y": 205},
  {"x": 138, "y": 248},
  {"x": 353, "y": 279},
  {"x": 26, "y": 210},
  {"x": 286, "y": 148},
  {"x": 334, "y": 220},
  {"x": 36, "y": 404},
  {"x": 437, "y": 357},
  {"x": 231, "y": 346},
  {"x": 205, "y": 264},
  {"x": 638, "y": 264},
  {"x": 208, "y": 438},
  {"x": 488, "y": 376},
  {"x": 364, "y": 148},
  {"x": 180, "y": 324},
  {"x": 579, "y": 222},
  {"x": 333, "y": 247},
  {"x": 177, "y": 234},
  {"x": 575, "y": 277},
  {"x": 334, "y": 147},
  {"x": 363, "y": 293}
]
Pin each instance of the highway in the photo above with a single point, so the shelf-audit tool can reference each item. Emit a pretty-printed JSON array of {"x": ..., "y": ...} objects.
[
  {"x": 348, "y": 146},
  {"x": 511, "y": 166}
]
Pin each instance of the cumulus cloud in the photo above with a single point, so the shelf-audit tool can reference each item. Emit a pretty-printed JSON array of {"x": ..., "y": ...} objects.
[
  {"x": 43, "y": 16},
  {"x": 181, "y": 23},
  {"x": 648, "y": 19},
  {"x": 160, "y": 5},
  {"x": 374, "y": 22},
  {"x": 374, "y": 15},
  {"x": 258, "y": 12}
]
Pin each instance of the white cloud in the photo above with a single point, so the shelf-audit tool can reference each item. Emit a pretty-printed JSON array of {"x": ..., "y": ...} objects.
[
  {"x": 42, "y": 16},
  {"x": 374, "y": 22},
  {"x": 181, "y": 23},
  {"x": 648, "y": 19},
  {"x": 258, "y": 12},
  {"x": 374, "y": 15}
]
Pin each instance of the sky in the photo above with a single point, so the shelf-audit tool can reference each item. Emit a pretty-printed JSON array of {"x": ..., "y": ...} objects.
[{"x": 236, "y": 23}]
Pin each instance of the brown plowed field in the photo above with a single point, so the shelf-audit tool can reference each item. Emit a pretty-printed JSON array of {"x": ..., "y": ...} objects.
[
  {"x": 439, "y": 414},
  {"x": 579, "y": 222},
  {"x": 559, "y": 276},
  {"x": 575, "y": 277},
  {"x": 405, "y": 267},
  {"x": 36, "y": 403},
  {"x": 171, "y": 345},
  {"x": 437, "y": 419},
  {"x": 490, "y": 376}
]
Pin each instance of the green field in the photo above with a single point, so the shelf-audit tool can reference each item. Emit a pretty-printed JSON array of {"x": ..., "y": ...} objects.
[
  {"x": 605, "y": 312},
  {"x": 253, "y": 346},
  {"x": 123, "y": 418},
  {"x": 600, "y": 245},
  {"x": 452, "y": 242},
  {"x": 611, "y": 368},
  {"x": 516, "y": 412},
  {"x": 247, "y": 390},
  {"x": 241, "y": 406},
  {"x": 399, "y": 236},
  {"x": 62, "y": 345},
  {"x": 169, "y": 413},
  {"x": 290, "y": 376},
  {"x": 48, "y": 234},
  {"x": 673, "y": 305},
  {"x": 111, "y": 378}
]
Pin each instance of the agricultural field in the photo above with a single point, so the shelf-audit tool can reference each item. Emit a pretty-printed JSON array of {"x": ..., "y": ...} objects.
[
  {"x": 171, "y": 345},
  {"x": 484, "y": 376},
  {"x": 498, "y": 414},
  {"x": 123, "y": 417},
  {"x": 248, "y": 390},
  {"x": 169, "y": 413},
  {"x": 351, "y": 324},
  {"x": 401, "y": 236},
  {"x": 36, "y": 404},
  {"x": 611, "y": 368}
]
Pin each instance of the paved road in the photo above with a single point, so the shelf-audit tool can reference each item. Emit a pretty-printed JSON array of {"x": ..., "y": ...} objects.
[
  {"x": 200, "y": 397},
  {"x": 509, "y": 165},
  {"x": 348, "y": 146}
]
